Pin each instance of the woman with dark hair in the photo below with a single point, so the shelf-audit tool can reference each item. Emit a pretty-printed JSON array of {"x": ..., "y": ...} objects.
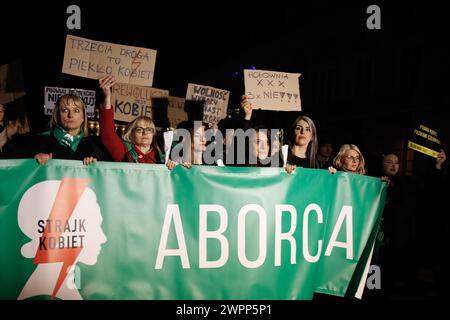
[
  {"x": 259, "y": 151},
  {"x": 192, "y": 145},
  {"x": 349, "y": 159},
  {"x": 303, "y": 144},
  {"x": 68, "y": 137},
  {"x": 324, "y": 154},
  {"x": 15, "y": 139}
]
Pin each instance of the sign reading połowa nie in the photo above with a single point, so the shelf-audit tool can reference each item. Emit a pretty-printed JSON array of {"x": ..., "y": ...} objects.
[{"x": 130, "y": 231}]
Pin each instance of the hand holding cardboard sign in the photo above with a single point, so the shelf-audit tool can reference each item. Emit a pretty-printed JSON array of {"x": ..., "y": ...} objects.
[
  {"x": 106, "y": 83},
  {"x": 247, "y": 106}
]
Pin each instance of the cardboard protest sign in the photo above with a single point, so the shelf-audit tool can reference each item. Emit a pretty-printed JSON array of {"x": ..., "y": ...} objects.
[
  {"x": 52, "y": 94},
  {"x": 216, "y": 101},
  {"x": 131, "y": 101},
  {"x": 94, "y": 59},
  {"x": 11, "y": 82},
  {"x": 425, "y": 140},
  {"x": 175, "y": 111},
  {"x": 272, "y": 90}
]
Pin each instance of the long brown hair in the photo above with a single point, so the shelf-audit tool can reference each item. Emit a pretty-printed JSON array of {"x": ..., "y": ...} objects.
[{"x": 311, "y": 150}]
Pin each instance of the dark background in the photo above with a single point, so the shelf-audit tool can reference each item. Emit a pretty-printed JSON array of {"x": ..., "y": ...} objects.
[{"x": 368, "y": 87}]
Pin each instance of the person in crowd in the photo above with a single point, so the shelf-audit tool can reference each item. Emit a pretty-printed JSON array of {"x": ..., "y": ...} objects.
[
  {"x": 257, "y": 150},
  {"x": 139, "y": 143},
  {"x": 259, "y": 153},
  {"x": 349, "y": 159},
  {"x": 68, "y": 137},
  {"x": 302, "y": 145},
  {"x": 396, "y": 228},
  {"x": 228, "y": 126},
  {"x": 324, "y": 154},
  {"x": 15, "y": 139},
  {"x": 431, "y": 185},
  {"x": 193, "y": 148},
  {"x": 403, "y": 223}
]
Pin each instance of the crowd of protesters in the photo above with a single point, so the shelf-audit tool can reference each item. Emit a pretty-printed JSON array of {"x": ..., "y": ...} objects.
[{"x": 405, "y": 231}]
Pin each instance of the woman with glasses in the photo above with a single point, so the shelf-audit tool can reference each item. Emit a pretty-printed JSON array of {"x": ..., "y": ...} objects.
[
  {"x": 139, "y": 141},
  {"x": 259, "y": 152},
  {"x": 349, "y": 159}
]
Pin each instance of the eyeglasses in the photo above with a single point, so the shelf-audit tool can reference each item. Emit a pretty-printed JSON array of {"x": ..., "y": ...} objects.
[
  {"x": 141, "y": 130},
  {"x": 352, "y": 158}
]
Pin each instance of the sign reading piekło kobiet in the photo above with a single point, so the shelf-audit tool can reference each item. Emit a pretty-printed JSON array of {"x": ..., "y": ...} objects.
[{"x": 127, "y": 231}]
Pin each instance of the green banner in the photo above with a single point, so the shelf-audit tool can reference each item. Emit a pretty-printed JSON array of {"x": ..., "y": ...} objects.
[{"x": 131, "y": 231}]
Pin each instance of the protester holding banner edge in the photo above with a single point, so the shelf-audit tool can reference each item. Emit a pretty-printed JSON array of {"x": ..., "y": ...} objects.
[
  {"x": 69, "y": 137},
  {"x": 139, "y": 143}
]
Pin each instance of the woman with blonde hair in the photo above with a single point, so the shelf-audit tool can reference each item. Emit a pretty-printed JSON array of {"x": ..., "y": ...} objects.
[
  {"x": 139, "y": 143},
  {"x": 303, "y": 145},
  {"x": 68, "y": 137},
  {"x": 349, "y": 159}
]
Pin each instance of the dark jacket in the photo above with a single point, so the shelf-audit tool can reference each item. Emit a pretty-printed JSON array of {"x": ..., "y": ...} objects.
[{"x": 90, "y": 146}]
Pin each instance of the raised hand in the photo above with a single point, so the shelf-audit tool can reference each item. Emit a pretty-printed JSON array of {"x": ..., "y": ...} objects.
[
  {"x": 106, "y": 84},
  {"x": 247, "y": 106}
]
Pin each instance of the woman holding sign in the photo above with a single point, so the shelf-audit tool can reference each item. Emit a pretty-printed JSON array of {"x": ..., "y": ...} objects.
[
  {"x": 69, "y": 137},
  {"x": 139, "y": 141}
]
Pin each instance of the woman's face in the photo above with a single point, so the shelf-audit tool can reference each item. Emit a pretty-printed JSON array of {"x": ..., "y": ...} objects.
[
  {"x": 391, "y": 165},
  {"x": 143, "y": 133},
  {"x": 326, "y": 150},
  {"x": 303, "y": 133},
  {"x": 199, "y": 139},
  {"x": 350, "y": 160},
  {"x": 71, "y": 116},
  {"x": 261, "y": 145}
]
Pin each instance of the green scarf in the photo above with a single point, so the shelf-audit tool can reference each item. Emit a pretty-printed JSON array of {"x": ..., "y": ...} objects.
[
  {"x": 133, "y": 153},
  {"x": 66, "y": 139}
]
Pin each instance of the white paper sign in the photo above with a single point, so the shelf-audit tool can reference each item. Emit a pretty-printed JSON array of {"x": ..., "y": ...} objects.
[
  {"x": 272, "y": 90},
  {"x": 52, "y": 94}
]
